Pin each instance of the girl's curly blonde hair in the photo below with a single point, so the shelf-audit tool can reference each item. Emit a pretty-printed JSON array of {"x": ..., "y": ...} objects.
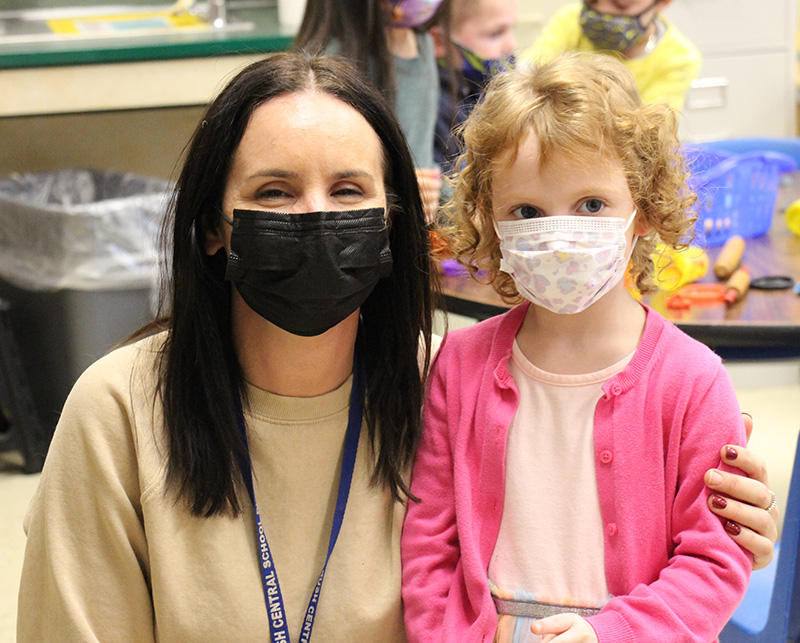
[{"x": 584, "y": 106}]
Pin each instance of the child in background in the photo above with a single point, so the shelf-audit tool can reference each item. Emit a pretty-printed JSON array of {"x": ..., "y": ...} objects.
[
  {"x": 387, "y": 40},
  {"x": 474, "y": 39},
  {"x": 661, "y": 59},
  {"x": 560, "y": 469}
]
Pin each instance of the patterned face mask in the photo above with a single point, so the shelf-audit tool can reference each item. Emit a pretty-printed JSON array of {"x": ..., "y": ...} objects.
[
  {"x": 565, "y": 263},
  {"x": 412, "y": 13},
  {"x": 610, "y": 31}
]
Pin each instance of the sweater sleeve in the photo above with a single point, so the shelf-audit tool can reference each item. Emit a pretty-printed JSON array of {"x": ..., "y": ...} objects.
[
  {"x": 671, "y": 87},
  {"x": 84, "y": 572},
  {"x": 666, "y": 75},
  {"x": 429, "y": 545},
  {"x": 707, "y": 573}
]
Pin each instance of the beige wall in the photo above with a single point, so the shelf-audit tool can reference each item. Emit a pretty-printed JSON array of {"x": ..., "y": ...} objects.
[
  {"x": 134, "y": 116},
  {"x": 147, "y": 141}
]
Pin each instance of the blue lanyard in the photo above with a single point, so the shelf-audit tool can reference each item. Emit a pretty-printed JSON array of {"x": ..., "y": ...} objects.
[{"x": 278, "y": 625}]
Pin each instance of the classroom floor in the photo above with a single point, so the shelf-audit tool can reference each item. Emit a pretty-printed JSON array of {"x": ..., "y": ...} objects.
[{"x": 769, "y": 391}]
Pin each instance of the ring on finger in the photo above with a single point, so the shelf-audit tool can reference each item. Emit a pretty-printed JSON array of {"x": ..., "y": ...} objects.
[{"x": 774, "y": 502}]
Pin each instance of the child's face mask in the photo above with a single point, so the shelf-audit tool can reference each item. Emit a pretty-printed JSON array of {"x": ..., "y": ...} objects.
[
  {"x": 412, "y": 13},
  {"x": 564, "y": 263},
  {"x": 610, "y": 31},
  {"x": 478, "y": 69}
]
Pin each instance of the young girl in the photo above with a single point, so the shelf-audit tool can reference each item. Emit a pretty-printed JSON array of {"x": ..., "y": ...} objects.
[
  {"x": 474, "y": 40},
  {"x": 559, "y": 474}
]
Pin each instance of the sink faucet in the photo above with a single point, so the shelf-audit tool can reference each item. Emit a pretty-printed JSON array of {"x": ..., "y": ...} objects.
[{"x": 217, "y": 14}]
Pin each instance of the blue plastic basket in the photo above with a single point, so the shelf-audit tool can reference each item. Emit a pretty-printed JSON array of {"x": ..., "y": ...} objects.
[{"x": 736, "y": 192}]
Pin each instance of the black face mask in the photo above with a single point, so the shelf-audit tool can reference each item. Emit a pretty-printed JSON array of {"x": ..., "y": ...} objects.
[{"x": 306, "y": 272}]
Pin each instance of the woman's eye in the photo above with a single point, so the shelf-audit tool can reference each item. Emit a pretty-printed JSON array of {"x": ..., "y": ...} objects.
[
  {"x": 592, "y": 206},
  {"x": 271, "y": 193},
  {"x": 348, "y": 192},
  {"x": 525, "y": 212}
]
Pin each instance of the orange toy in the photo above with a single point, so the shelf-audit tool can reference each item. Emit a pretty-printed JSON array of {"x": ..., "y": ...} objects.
[{"x": 691, "y": 294}]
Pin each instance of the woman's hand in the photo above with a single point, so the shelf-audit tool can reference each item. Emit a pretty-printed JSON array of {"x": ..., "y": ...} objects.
[
  {"x": 564, "y": 628},
  {"x": 743, "y": 499}
]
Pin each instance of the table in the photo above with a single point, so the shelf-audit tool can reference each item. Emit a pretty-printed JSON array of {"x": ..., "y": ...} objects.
[{"x": 762, "y": 324}]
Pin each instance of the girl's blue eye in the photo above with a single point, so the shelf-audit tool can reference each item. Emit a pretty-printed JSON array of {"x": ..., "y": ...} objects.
[
  {"x": 593, "y": 206},
  {"x": 525, "y": 212}
]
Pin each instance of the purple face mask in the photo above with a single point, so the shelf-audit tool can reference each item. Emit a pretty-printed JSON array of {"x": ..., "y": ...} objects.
[{"x": 412, "y": 13}]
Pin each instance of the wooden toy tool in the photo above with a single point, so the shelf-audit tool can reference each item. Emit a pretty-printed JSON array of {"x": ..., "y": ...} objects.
[
  {"x": 729, "y": 257},
  {"x": 738, "y": 285}
]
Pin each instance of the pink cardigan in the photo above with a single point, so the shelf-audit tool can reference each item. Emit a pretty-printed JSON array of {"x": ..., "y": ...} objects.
[{"x": 673, "y": 571}]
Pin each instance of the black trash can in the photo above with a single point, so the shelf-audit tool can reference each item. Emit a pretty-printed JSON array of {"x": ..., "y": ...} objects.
[{"x": 79, "y": 267}]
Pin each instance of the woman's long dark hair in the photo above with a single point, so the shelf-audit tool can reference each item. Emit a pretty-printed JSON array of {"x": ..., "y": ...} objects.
[
  {"x": 358, "y": 28},
  {"x": 201, "y": 384}
]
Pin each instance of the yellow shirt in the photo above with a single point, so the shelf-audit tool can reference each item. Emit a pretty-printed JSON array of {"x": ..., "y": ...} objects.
[
  {"x": 111, "y": 556},
  {"x": 662, "y": 76}
]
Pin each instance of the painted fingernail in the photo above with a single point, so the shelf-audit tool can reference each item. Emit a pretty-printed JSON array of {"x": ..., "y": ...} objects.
[
  {"x": 719, "y": 502},
  {"x": 731, "y": 453},
  {"x": 715, "y": 477},
  {"x": 732, "y": 528}
]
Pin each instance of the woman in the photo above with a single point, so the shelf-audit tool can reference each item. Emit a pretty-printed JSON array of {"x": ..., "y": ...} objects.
[
  {"x": 388, "y": 42},
  {"x": 143, "y": 526}
]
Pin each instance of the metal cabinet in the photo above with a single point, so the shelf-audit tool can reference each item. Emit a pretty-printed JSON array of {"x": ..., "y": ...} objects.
[{"x": 747, "y": 84}]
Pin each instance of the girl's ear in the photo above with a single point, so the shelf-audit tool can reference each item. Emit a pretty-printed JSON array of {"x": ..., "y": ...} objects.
[{"x": 641, "y": 226}]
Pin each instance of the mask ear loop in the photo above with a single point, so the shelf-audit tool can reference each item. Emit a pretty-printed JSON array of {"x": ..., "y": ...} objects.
[
  {"x": 392, "y": 206},
  {"x": 631, "y": 219},
  {"x": 226, "y": 218},
  {"x": 636, "y": 237}
]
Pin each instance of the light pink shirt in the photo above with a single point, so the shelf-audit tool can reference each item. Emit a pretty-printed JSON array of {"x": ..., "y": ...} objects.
[{"x": 550, "y": 544}]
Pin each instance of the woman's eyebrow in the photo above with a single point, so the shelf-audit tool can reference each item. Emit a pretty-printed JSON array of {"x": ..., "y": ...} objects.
[
  {"x": 352, "y": 174},
  {"x": 274, "y": 173},
  {"x": 287, "y": 174}
]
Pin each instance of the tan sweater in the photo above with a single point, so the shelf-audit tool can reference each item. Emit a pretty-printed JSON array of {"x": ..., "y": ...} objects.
[{"x": 111, "y": 556}]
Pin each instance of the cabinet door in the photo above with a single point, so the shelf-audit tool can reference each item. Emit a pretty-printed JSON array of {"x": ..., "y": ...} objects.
[
  {"x": 735, "y": 26},
  {"x": 740, "y": 96}
]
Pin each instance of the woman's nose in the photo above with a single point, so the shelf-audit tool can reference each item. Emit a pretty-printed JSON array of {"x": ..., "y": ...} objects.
[{"x": 312, "y": 202}]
